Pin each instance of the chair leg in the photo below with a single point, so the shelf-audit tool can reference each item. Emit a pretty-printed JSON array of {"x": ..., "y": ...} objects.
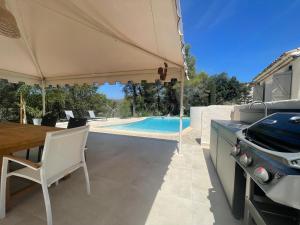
[
  {"x": 40, "y": 153},
  {"x": 27, "y": 153},
  {"x": 87, "y": 179},
  {"x": 85, "y": 155},
  {"x": 3, "y": 189},
  {"x": 47, "y": 203}
]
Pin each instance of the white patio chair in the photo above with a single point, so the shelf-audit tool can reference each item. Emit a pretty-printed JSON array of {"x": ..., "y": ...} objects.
[
  {"x": 94, "y": 117},
  {"x": 69, "y": 114},
  {"x": 63, "y": 153}
]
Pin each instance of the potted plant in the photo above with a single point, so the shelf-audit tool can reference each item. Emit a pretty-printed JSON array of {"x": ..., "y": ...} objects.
[{"x": 36, "y": 115}]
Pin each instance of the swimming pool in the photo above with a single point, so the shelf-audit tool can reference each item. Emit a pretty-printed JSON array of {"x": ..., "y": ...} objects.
[{"x": 154, "y": 125}]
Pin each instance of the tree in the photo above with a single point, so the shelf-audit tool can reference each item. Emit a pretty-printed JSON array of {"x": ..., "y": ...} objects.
[
  {"x": 112, "y": 108},
  {"x": 245, "y": 94},
  {"x": 228, "y": 89},
  {"x": 125, "y": 110},
  {"x": 130, "y": 90},
  {"x": 190, "y": 61},
  {"x": 79, "y": 98},
  {"x": 170, "y": 99},
  {"x": 23, "y": 92},
  {"x": 56, "y": 98},
  {"x": 9, "y": 101},
  {"x": 212, "y": 91},
  {"x": 196, "y": 90}
]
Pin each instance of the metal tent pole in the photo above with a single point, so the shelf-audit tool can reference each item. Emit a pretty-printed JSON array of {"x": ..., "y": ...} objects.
[
  {"x": 44, "y": 97},
  {"x": 181, "y": 111},
  {"x": 21, "y": 109}
]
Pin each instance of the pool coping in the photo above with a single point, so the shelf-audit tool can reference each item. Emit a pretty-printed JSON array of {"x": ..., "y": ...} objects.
[{"x": 167, "y": 136}]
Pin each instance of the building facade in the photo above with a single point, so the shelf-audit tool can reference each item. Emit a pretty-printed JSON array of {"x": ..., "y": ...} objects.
[{"x": 280, "y": 80}]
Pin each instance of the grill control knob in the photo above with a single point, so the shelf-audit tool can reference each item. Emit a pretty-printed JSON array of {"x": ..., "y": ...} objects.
[
  {"x": 262, "y": 175},
  {"x": 245, "y": 160},
  {"x": 236, "y": 150}
]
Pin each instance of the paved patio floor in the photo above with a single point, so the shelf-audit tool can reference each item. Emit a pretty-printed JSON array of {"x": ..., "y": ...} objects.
[{"x": 134, "y": 181}]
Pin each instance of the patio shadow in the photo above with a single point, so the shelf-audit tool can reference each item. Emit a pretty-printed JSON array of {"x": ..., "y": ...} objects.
[{"x": 216, "y": 195}]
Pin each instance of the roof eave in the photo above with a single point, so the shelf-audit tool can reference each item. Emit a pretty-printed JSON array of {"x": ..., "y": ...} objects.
[{"x": 278, "y": 64}]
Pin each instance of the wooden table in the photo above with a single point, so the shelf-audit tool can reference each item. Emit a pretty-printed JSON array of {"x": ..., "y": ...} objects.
[{"x": 16, "y": 137}]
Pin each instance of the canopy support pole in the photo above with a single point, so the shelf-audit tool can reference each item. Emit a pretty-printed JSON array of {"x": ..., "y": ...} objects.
[
  {"x": 44, "y": 97},
  {"x": 181, "y": 112}
]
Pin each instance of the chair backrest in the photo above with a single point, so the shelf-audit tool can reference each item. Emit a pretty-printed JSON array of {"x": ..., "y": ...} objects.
[
  {"x": 69, "y": 114},
  {"x": 92, "y": 114},
  {"x": 63, "y": 151},
  {"x": 49, "y": 120},
  {"x": 76, "y": 122}
]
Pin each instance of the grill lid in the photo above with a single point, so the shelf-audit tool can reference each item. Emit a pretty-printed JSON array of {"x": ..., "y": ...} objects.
[{"x": 279, "y": 132}]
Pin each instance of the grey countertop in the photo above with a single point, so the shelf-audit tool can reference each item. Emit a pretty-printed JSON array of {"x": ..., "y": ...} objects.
[{"x": 231, "y": 125}]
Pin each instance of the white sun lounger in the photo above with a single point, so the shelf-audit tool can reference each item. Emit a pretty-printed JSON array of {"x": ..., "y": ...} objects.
[
  {"x": 94, "y": 117},
  {"x": 69, "y": 114}
]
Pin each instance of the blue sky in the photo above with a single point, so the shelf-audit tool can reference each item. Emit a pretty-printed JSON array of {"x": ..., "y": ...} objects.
[
  {"x": 240, "y": 37},
  {"x": 112, "y": 91}
]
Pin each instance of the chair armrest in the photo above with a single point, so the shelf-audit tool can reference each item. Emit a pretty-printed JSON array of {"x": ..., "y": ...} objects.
[{"x": 24, "y": 162}]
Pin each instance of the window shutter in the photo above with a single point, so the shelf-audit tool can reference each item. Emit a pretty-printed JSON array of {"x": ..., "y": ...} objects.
[{"x": 281, "y": 87}]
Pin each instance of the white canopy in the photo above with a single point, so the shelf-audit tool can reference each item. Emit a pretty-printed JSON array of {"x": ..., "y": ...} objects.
[{"x": 92, "y": 41}]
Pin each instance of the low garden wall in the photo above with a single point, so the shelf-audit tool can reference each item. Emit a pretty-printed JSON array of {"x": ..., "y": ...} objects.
[
  {"x": 201, "y": 116},
  {"x": 201, "y": 119}
]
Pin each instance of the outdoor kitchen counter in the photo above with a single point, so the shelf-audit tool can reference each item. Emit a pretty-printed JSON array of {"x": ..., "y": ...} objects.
[{"x": 223, "y": 140}]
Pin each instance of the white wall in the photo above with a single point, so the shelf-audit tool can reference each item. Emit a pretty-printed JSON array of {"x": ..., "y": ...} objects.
[
  {"x": 196, "y": 117},
  {"x": 201, "y": 118},
  {"x": 268, "y": 89}
]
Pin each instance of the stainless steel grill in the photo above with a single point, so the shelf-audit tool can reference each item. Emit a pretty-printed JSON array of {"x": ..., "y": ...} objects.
[{"x": 268, "y": 152}]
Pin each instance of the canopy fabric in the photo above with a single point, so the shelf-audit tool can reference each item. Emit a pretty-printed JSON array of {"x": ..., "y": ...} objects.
[{"x": 92, "y": 41}]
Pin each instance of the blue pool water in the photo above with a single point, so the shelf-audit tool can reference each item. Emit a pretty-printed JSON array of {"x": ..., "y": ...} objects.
[{"x": 154, "y": 125}]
